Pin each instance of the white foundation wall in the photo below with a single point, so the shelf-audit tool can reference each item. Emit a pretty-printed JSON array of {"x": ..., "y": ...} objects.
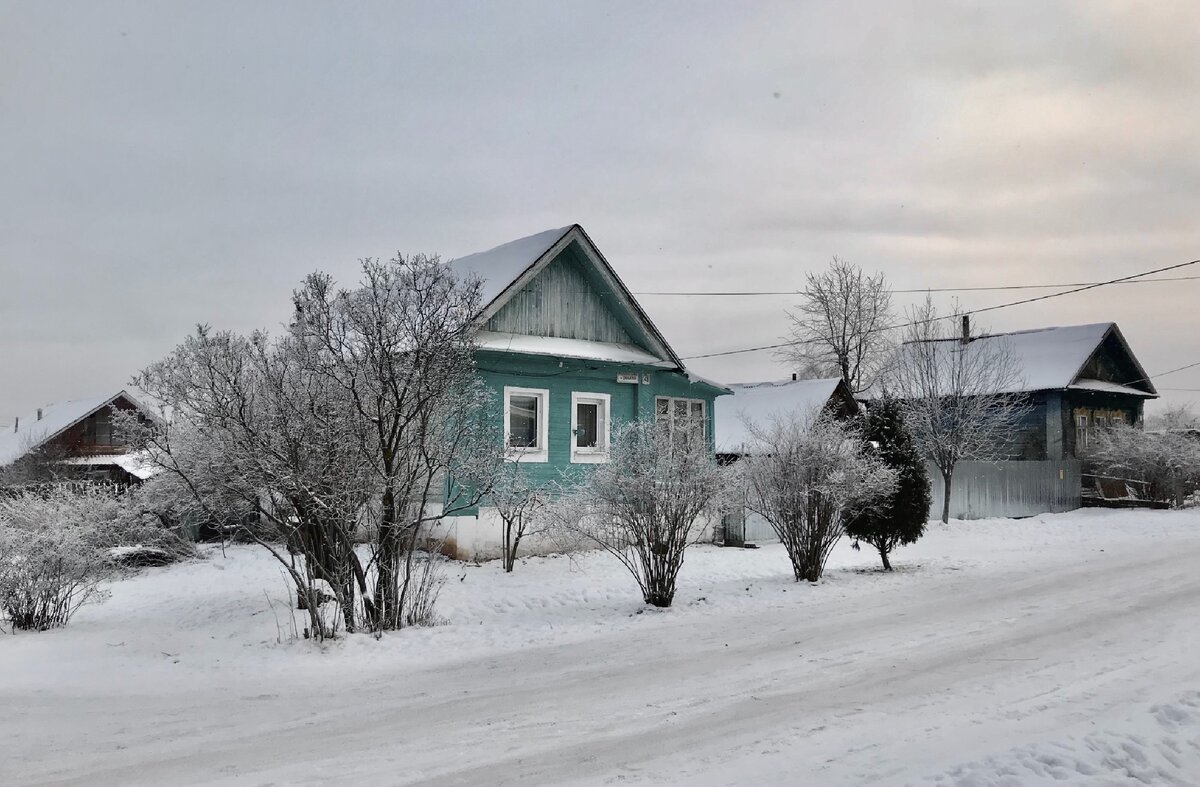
[{"x": 482, "y": 537}]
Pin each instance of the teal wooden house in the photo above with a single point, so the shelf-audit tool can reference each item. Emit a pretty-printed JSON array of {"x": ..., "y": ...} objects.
[{"x": 570, "y": 354}]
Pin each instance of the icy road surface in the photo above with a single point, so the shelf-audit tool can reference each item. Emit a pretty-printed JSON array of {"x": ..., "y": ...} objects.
[{"x": 1061, "y": 649}]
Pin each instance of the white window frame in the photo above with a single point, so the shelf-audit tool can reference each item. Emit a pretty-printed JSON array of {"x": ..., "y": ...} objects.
[
  {"x": 690, "y": 402},
  {"x": 598, "y": 454},
  {"x": 542, "y": 452},
  {"x": 1083, "y": 423}
]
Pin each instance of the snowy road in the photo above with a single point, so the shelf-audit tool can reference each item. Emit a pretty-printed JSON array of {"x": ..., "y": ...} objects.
[{"x": 1048, "y": 665}]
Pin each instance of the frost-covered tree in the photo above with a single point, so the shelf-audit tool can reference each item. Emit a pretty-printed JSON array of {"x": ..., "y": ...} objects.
[
  {"x": 250, "y": 423},
  {"x": 900, "y": 518},
  {"x": 808, "y": 478},
  {"x": 648, "y": 503},
  {"x": 399, "y": 353},
  {"x": 521, "y": 504},
  {"x": 348, "y": 426},
  {"x": 1173, "y": 418},
  {"x": 961, "y": 395},
  {"x": 1166, "y": 463},
  {"x": 840, "y": 327}
]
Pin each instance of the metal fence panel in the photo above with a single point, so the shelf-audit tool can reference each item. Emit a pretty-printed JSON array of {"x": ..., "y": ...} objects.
[
  {"x": 1007, "y": 489},
  {"x": 759, "y": 530}
]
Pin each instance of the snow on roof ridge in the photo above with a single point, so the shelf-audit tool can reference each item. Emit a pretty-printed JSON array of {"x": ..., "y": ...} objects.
[
  {"x": 758, "y": 402},
  {"x": 499, "y": 267},
  {"x": 559, "y": 230},
  {"x": 1022, "y": 332},
  {"x": 1051, "y": 358}
]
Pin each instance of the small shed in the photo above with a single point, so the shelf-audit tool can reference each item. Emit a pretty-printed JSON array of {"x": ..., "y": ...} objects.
[{"x": 757, "y": 403}]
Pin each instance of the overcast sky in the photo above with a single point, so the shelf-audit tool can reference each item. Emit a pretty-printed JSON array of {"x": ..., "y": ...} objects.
[{"x": 164, "y": 165}]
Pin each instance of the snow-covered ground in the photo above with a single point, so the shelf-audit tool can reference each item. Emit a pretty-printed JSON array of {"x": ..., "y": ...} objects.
[{"x": 1057, "y": 649}]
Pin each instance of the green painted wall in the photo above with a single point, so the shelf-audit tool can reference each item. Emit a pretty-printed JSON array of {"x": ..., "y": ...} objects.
[
  {"x": 572, "y": 299},
  {"x": 628, "y": 401}
]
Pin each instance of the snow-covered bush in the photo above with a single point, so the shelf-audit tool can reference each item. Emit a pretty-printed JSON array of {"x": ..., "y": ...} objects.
[
  {"x": 647, "y": 503},
  {"x": 810, "y": 476},
  {"x": 521, "y": 504},
  {"x": 58, "y": 542},
  {"x": 52, "y": 555},
  {"x": 1167, "y": 463}
]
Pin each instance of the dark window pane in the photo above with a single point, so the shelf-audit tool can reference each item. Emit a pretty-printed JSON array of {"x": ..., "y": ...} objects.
[
  {"x": 99, "y": 428},
  {"x": 587, "y": 417},
  {"x": 522, "y": 421}
]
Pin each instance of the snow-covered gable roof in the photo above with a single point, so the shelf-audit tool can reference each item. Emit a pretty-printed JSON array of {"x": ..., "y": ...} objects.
[
  {"x": 507, "y": 268},
  {"x": 1051, "y": 359},
  {"x": 759, "y": 402},
  {"x": 500, "y": 267},
  {"x": 56, "y": 419}
]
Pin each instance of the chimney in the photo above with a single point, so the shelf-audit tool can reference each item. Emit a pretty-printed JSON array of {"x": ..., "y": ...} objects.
[
  {"x": 794, "y": 376},
  {"x": 39, "y": 414},
  {"x": 966, "y": 329},
  {"x": 16, "y": 425}
]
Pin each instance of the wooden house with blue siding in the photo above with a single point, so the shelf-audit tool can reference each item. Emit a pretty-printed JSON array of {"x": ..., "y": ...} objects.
[{"x": 569, "y": 354}]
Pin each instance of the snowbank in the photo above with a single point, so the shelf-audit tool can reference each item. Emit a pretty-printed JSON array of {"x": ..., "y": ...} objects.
[{"x": 999, "y": 652}]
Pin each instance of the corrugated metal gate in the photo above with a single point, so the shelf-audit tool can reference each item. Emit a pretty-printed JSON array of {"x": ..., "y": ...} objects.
[
  {"x": 1007, "y": 489},
  {"x": 745, "y": 527}
]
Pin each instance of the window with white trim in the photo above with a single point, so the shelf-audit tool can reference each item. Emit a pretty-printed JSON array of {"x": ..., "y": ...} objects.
[
  {"x": 682, "y": 418},
  {"x": 589, "y": 426},
  {"x": 1081, "y": 431},
  {"x": 526, "y": 424}
]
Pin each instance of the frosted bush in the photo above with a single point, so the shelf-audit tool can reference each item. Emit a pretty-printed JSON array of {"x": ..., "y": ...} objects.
[
  {"x": 811, "y": 476},
  {"x": 52, "y": 559},
  {"x": 57, "y": 543}
]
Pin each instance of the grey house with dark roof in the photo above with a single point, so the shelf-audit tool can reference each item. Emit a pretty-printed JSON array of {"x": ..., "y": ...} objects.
[{"x": 1078, "y": 379}]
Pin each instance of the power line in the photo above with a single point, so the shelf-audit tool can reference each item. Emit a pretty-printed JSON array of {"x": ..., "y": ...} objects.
[
  {"x": 752, "y": 293},
  {"x": 1023, "y": 301},
  {"x": 1170, "y": 371}
]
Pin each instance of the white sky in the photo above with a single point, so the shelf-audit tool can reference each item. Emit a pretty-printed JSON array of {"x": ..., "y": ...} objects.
[{"x": 167, "y": 165}]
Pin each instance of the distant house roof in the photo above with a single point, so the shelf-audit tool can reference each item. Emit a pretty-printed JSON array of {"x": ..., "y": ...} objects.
[
  {"x": 759, "y": 402},
  {"x": 504, "y": 270},
  {"x": 32, "y": 432},
  {"x": 1051, "y": 359}
]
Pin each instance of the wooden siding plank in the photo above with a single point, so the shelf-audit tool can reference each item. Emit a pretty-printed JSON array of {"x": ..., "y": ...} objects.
[{"x": 562, "y": 302}]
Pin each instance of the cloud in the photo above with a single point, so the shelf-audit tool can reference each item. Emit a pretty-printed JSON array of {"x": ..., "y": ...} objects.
[{"x": 172, "y": 165}]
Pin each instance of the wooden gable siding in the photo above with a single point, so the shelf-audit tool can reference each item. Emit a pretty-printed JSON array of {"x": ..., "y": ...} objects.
[
  {"x": 1111, "y": 364},
  {"x": 562, "y": 301},
  {"x": 78, "y": 440}
]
